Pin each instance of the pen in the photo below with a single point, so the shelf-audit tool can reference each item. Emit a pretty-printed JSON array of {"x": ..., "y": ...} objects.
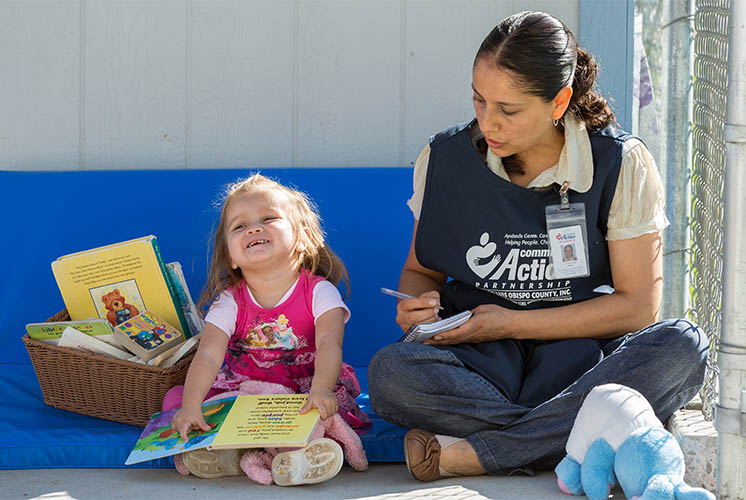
[{"x": 400, "y": 295}]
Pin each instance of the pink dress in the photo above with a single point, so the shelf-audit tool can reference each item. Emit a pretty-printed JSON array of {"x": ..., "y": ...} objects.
[{"x": 278, "y": 345}]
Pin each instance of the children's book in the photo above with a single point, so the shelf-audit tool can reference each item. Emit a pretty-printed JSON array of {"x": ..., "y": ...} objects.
[
  {"x": 424, "y": 331},
  {"x": 73, "y": 338},
  {"x": 51, "y": 331},
  {"x": 188, "y": 307},
  {"x": 246, "y": 421},
  {"x": 173, "y": 355},
  {"x": 117, "y": 282},
  {"x": 147, "y": 335}
]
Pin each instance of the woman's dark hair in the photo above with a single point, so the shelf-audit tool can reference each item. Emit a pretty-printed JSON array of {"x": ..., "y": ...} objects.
[{"x": 544, "y": 56}]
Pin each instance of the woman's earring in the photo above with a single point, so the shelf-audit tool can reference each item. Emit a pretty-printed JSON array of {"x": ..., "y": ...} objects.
[{"x": 555, "y": 121}]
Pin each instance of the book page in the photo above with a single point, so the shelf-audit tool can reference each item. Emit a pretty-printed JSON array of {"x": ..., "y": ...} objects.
[
  {"x": 79, "y": 340},
  {"x": 50, "y": 332},
  {"x": 159, "y": 440},
  {"x": 267, "y": 420}
]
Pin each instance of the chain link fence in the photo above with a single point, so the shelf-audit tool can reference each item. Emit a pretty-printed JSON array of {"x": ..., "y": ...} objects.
[{"x": 707, "y": 185}]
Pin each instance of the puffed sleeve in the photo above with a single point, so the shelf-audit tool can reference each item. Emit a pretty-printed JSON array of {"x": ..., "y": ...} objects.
[
  {"x": 223, "y": 313},
  {"x": 418, "y": 182},
  {"x": 638, "y": 206},
  {"x": 326, "y": 297}
]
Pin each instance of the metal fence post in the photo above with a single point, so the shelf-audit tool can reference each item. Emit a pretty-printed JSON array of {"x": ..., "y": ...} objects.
[
  {"x": 730, "y": 413},
  {"x": 676, "y": 162}
]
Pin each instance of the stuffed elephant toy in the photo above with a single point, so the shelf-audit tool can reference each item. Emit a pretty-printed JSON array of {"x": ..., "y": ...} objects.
[{"x": 617, "y": 437}]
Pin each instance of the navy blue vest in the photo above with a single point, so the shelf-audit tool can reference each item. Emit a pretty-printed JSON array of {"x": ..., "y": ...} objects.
[{"x": 490, "y": 234}]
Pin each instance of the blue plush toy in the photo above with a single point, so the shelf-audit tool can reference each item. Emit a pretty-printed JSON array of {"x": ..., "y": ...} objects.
[{"x": 616, "y": 433}]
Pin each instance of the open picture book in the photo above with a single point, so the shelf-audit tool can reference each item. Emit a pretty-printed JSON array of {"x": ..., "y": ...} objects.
[{"x": 246, "y": 421}]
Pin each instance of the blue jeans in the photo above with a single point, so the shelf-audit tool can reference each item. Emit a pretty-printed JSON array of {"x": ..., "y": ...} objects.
[{"x": 415, "y": 385}]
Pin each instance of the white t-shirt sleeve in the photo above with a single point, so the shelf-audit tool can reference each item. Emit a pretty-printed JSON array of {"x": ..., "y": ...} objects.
[
  {"x": 327, "y": 297},
  {"x": 223, "y": 313}
]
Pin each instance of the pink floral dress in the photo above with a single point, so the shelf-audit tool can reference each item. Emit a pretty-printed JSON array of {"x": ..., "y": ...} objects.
[{"x": 278, "y": 345}]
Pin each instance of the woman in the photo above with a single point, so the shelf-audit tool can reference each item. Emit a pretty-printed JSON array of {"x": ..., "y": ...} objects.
[{"x": 495, "y": 201}]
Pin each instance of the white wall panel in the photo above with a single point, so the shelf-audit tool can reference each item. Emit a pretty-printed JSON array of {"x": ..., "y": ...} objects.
[
  {"x": 110, "y": 84},
  {"x": 241, "y": 84},
  {"x": 442, "y": 38},
  {"x": 348, "y": 83},
  {"x": 39, "y": 85},
  {"x": 135, "y": 84}
]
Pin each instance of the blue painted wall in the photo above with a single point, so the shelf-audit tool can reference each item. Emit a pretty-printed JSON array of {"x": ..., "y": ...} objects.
[{"x": 606, "y": 29}]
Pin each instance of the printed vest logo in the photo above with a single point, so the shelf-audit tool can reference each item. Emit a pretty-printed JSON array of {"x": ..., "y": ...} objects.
[
  {"x": 524, "y": 276},
  {"x": 482, "y": 258}
]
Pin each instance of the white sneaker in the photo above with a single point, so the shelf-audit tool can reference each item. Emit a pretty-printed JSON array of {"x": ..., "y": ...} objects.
[
  {"x": 213, "y": 464},
  {"x": 317, "y": 462}
]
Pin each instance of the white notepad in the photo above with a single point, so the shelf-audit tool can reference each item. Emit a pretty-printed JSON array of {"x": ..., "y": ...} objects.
[{"x": 424, "y": 331}]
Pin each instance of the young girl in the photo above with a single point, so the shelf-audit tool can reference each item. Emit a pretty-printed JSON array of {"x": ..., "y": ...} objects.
[{"x": 269, "y": 263}]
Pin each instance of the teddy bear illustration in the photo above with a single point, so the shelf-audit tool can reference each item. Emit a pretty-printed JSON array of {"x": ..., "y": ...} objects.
[{"x": 118, "y": 309}]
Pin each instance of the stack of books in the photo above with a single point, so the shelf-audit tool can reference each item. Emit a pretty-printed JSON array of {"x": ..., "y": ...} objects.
[{"x": 125, "y": 297}]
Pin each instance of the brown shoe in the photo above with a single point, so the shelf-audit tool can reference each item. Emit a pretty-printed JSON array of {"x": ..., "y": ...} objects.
[{"x": 422, "y": 453}]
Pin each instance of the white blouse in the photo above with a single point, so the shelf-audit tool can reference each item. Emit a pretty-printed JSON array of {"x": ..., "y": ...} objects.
[{"x": 638, "y": 205}]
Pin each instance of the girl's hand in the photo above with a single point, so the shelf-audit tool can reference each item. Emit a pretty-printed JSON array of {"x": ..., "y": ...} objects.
[
  {"x": 423, "y": 309},
  {"x": 488, "y": 322},
  {"x": 323, "y": 400},
  {"x": 187, "y": 419}
]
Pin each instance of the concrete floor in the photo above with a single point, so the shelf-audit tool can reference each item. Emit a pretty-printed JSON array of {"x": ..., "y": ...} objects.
[{"x": 381, "y": 481}]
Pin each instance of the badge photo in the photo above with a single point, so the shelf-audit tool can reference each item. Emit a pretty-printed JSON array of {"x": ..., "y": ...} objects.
[{"x": 568, "y": 252}]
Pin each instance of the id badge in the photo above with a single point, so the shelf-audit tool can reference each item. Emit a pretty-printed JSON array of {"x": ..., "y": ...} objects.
[{"x": 567, "y": 235}]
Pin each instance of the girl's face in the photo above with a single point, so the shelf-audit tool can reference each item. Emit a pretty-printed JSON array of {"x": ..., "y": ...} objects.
[
  {"x": 512, "y": 121},
  {"x": 258, "y": 234}
]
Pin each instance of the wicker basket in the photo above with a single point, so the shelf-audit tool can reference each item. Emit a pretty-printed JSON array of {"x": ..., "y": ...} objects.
[{"x": 101, "y": 386}]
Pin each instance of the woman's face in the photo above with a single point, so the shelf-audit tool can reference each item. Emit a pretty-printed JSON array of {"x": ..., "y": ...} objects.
[{"x": 512, "y": 121}]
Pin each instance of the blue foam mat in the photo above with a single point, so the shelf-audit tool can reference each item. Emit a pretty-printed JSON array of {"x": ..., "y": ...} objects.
[{"x": 37, "y": 436}]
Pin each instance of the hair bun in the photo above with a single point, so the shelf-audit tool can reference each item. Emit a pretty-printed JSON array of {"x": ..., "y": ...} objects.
[{"x": 586, "y": 70}]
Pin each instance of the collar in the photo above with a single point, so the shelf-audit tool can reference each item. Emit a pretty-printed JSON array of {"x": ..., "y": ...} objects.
[
  {"x": 575, "y": 163},
  {"x": 283, "y": 299}
]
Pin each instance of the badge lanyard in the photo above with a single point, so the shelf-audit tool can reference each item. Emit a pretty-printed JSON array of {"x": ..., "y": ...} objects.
[{"x": 567, "y": 235}]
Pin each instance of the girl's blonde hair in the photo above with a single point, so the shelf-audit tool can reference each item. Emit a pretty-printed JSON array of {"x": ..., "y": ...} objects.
[{"x": 302, "y": 214}]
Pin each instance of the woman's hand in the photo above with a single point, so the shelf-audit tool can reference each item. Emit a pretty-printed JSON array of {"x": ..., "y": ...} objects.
[
  {"x": 323, "y": 400},
  {"x": 187, "y": 419},
  {"x": 488, "y": 322},
  {"x": 423, "y": 309}
]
